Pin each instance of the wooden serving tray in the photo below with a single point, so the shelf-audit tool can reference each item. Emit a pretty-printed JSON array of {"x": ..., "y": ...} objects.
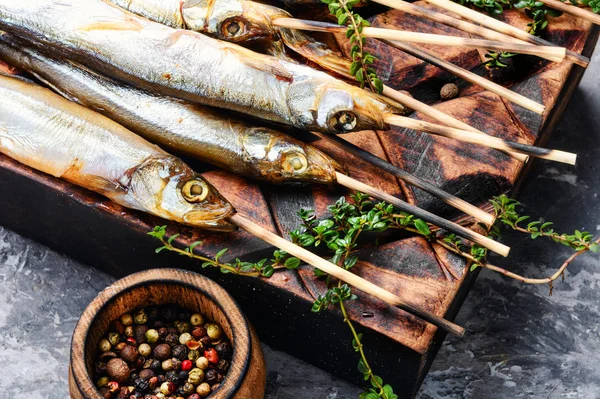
[{"x": 400, "y": 347}]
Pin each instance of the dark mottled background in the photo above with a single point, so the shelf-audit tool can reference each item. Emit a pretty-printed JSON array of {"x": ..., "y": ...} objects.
[{"x": 521, "y": 342}]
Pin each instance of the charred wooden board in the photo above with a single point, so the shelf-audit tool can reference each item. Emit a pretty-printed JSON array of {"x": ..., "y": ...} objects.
[{"x": 401, "y": 347}]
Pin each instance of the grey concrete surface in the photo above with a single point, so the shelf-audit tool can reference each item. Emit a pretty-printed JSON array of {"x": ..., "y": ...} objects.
[{"x": 521, "y": 342}]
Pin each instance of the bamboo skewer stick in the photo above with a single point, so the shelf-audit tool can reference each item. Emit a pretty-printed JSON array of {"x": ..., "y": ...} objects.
[
  {"x": 573, "y": 10},
  {"x": 344, "y": 275},
  {"x": 485, "y": 140},
  {"x": 551, "y": 53},
  {"x": 486, "y": 242},
  {"x": 445, "y": 19},
  {"x": 498, "y": 26},
  {"x": 415, "y": 181},
  {"x": 470, "y": 77},
  {"x": 446, "y": 119}
]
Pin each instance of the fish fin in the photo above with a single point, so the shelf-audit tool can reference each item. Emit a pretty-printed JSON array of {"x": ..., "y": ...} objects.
[
  {"x": 98, "y": 184},
  {"x": 316, "y": 52},
  {"x": 261, "y": 63}
]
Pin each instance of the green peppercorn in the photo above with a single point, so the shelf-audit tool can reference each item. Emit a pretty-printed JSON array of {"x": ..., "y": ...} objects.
[
  {"x": 114, "y": 338},
  {"x": 213, "y": 331},
  {"x": 160, "y": 395},
  {"x": 196, "y": 376},
  {"x": 203, "y": 389},
  {"x": 152, "y": 336},
  {"x": 145, "y": 350},
  {"x": 183, "y": 326},
  {"x": 202, "y": 363},
  {"x": 193, "y": 355},
  {"x": 104, "y": 345},
  {"x": 184, "y": 338},
  {"x": 102, "y": 382},
  {"x": 140, "y": 317},
  {"x": 196, "y": 319},
  {"x": 126, "y": 319}
]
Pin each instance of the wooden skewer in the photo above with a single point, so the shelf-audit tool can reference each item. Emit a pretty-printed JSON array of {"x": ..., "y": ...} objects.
[
  {"x": 573, "y": 10},
  {"x": 551, "y": 53},
  {"x": 344, "y": 275},
  {"x": 415, "y": 181},
  {"x": 446, "y": 119},
  {"x": 492, "y": 245},
  {"x": 470, "y": 77},
  {"x": 494, "y": 24},
  {"x": 482, "y": 139}
]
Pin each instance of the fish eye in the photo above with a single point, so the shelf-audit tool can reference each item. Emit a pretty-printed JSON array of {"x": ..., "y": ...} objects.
[
  {"x": 343, "y": 121},
  {"x": 295, "y": 162},
  {"x": 232, "y": 27},
  {"x": 195, "y": 191}
]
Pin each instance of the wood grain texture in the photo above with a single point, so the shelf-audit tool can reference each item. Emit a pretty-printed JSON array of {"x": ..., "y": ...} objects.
[
  {"x": 246, "y": 377},
  {"x": 98, "y": 232}
]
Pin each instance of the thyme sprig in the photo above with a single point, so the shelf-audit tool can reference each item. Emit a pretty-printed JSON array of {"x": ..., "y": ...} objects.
[
  {"x": 340, "y": 234},
  {"x": 497, "y": 59},
  {"x": 536, "y": 10},
  {"x": 362, "y": 60},
  {"x": 593, "y": 4},
  {"x": 264, "y": 267}
]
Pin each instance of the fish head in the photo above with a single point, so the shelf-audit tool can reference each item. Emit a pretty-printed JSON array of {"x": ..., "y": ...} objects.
[
  {"x": 229, "y": 20},
  {"x": 167, "y": 187},
  {"x": 332, "y": 106},
  {"x": 279, "y": 158}
]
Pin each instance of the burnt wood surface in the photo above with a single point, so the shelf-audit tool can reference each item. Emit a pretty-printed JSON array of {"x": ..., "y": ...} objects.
[{"x": 401, "y": 347}]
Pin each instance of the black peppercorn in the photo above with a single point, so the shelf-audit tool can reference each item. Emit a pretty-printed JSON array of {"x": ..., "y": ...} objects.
[
  {"x": 139, "y": 333},
  {"x": 156, "y": 365},
  {"x": 141, "y": 385},
  {"x": 169, "y": 313},
  {"x": 183, "y": 375},
  {"x": 211, "y": 376},
  {"x": 222, "y": 366},
  {"x": 205, "y": 341},
  {"x": 222, "y": 349},
  {"x": 133, "y": 376},
  {"x": 172, "y": 339},
  {"x": 180, "y": 352},
  {"x": 100, "y": 368},
  {"x": 173, "y": 376},
  {"x": 176, "y": 363}
]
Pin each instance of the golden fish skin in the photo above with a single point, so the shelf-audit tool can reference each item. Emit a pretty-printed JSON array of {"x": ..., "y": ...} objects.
[
  {"x": 244, "y": 22},
  {"x": 46, "y": 132},
  {"x": 191, "y": 66},
  {"x": 200, "y": 132}
]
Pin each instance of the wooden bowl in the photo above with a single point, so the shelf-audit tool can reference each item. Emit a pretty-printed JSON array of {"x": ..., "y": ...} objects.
[{"x": 246, "y": 378}]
